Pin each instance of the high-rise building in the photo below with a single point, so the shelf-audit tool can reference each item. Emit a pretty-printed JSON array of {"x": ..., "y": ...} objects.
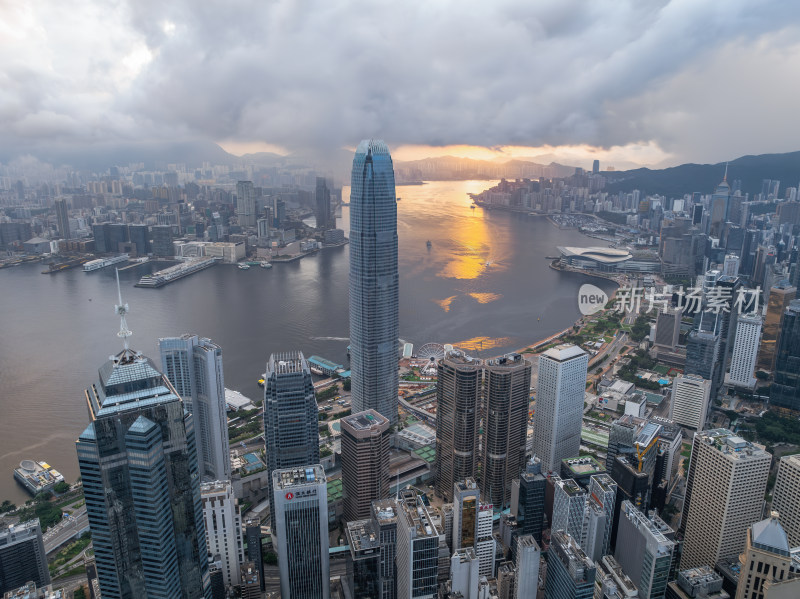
[
  {"x": 374, "y": 312},
  {"x": 464, "y": 573},
  {"x": 559, "y": 405},
  {"x": 253, "y": 553},
  {"x": 745, "y": 351},
  {"x": 569, "y": 505},
  {"x": 194, "y": 367},
  {"x": 251, "y": 581},
  {"x": 731, "y": 265},
  {"x": 786, "y": 498},
  {"x": 140, "y": 478},
  {"x": 725, "y": 489},
  {"x": 527, "y": 499},
  {"x": 611, "y": 582},
  {"x": 596, "y": 167},
  {"x": 703, "y": 356},
  {"x": 384, "y": 515},
  {"x": 323, "y": 205},
  {"x": 485, "y": 545},
  {"x": 363, "y": 560},
  {"x": 785, "y": 389},
  {"x": 668, "y": 329},
  {"x": 697, "y": 583},
  {"x": 62, "y": 218},
  {"x": 472, "y": 524},
  {"x": 417, "y": 553},
  {"x": 290, "y": 415},
  {"x": 645, "y": 550},
  {"x": 300, "y": 500},
  {"x": 767, "y": 570},
  {"x": 599, "y": 516},
  {"x": 779, "y": 298},
  {"x": 246, "y": 203},
  {"x": 458, "y": 394},
  {"x": 506, "y": 385},
  {"x": 719, "y": 208},
  {"x": 162, "y": 241},
  {"x": 140, "y": 238},
  {"x": 223, "y": 529},
  {"x": 22, "y": 556},
  {"x": 570, "y": 574},
  {"x": 670, "y": 439},
  {"x": 690, "y": 401},
  {"x": 365, "y": 462},
  {"x": 528, "y": 554}
]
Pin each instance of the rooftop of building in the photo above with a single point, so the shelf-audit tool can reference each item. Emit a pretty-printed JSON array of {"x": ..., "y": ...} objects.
[
  {"x": 583, "y": 466},
  {"x": 466, "y": 554},
  {"x": 21, "y": 531},
  {"x": 412, "y": 509},
  {"x": 768, "y": 535},
  {"x": 323, "y": 362},
  {"x": 611, "y": 568},
  {"x": 653, "y": 526},
  {"x": 216, "y": 487},
  {"x": 365, "y": 421},
  {"x": 511, "y": 360},
  {"x": 564, "y": 352},
  {"x": 297, "y": 477},
  {"x": 362, "y": 536},
  {"x": 576, "y": 562},
  {"x": 604, "y": 255},
  {"x": 570, "y": 487},
  {"x": 385, "y": 511},
  {"x": 700, "y": 582},
  {"x": 419, "y": 432},
  {"x": 732, "y": 446},
  {"x": 287, "y": 363}
]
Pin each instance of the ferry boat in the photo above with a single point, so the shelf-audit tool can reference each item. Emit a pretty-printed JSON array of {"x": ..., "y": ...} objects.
[
  {"x": 429, "y": 244},
  {"x": 103, "y": 262},
  {"x": 265, "y": 264},
  {"x": 244, "y": 267},
  {"x": 173, "y": 273}
]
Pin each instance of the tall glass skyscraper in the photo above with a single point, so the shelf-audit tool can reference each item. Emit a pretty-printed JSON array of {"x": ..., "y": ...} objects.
[
  {"x": 374, "y": 320},
  {"x": 141, "y": 482}
]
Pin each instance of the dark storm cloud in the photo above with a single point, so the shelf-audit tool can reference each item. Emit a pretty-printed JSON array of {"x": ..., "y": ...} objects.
[{"x": 308, "y": 73}]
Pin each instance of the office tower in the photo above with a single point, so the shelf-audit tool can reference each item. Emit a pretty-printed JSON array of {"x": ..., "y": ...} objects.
[
  {"x": 779, "y": 298},
  {"x": 194, "y": 367},
  {"x": 458, "y": 393},
  {"x": 472, "y": 524},
  {"x": 374, "y": 319},
  {"x": 485, "y": 545},
  {"x": 365, "y": 462},
  {"x": 507, "y": 390},
  {"x": 786, "y": 498},
  {"x": 611, "y": 582},
  {"x": 670, "y": 439},
  {"x": 162, "y": 241},
  {"x": 702, "y": 353},
  {"x": 644, "y": 550},
  {"x": 528, "y": 554},
  {"x": 668, "y": 329},
  {"x": 767, "y": 568},
  {"x": 140, "y": 238},
  {"x": 464, "y": 573},
  {"x": 100, "y": 233},
  {"x": 300, "y": 500},
  {"x": 217, "y": 584},
  {"x": 745, "y": 351},
  {"x": 140, "y": 476},
  {"x": 527, "y": 499},
  {"x": 599, "y": 516},
  {"x": 246, "y": 203},
  {"x": 690, "y": 401},
  {"x": 223, "y": 528},
  {"x": 323, "y": 205},
  {"x": 22, "y": 556},
  {"x": 725, "y": 489},
  {"x": 635, "y": 437},
  {"x": 570, "y": 574},
  {"x": 727, "y": 290},
  {"x": 251, "y": 581},
  {"x": 569, "y": 504},
  {"x": 719, "y": 208},
  {"x": 596, "y": 167},
  {"x": 62, "y": 218},
  {"x": 384, "y": 515},
  {"x": 559, "y": 405},
  {"x": 363, "y": 560},
  {"x": 785, "y": 389},
  {"x": 731, "y": 265},
  {"x": 697, "y": 583},
  {"x": 291, "y": 434},
  {"x": 252, "y": 534},
  {"x": 417, "y": 552}
]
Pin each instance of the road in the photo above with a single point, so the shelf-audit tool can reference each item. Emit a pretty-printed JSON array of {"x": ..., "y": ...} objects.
[{"x": 56, "y": 536}]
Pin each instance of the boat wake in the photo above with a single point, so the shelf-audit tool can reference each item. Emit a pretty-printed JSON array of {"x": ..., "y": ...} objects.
[{"x": 330, "y": 338}]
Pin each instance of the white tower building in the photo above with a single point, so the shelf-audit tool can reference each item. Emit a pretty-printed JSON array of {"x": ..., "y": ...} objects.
[
  {"x": 745, "y": 351},
  {"x": 223, "y": 529}
]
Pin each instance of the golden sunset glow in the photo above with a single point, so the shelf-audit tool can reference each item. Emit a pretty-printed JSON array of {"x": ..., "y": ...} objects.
[{"x": 482, "y": 343}]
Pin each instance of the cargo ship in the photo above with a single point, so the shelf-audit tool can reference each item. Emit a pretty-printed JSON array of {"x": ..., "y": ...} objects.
[
  {"x": 59, "y": 266},
  {"x": 37, "y": 477}
]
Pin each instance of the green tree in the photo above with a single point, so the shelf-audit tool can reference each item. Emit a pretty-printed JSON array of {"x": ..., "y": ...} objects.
[
  {"x": 61, "y": 487},
  {"x": 346, "y": 385}
]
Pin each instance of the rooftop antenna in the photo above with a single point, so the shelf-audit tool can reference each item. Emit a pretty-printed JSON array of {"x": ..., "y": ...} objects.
[{"x": 122, "y": 310}]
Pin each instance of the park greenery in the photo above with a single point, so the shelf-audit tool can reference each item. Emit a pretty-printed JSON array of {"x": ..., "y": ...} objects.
[
  {"x": 640, "y": 328},
  {"x": 638, "y": 360}
]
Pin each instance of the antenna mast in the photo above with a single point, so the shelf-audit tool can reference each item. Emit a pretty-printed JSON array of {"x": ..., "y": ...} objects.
[{"x": 122, "y": 309}]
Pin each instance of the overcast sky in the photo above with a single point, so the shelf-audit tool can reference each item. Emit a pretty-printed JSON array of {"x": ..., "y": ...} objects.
[{"x": 648, "y": 82}]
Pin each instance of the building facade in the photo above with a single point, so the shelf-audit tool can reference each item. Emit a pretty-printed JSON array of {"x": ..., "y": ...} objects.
[
  {"x": 767, "y": 569},
  {"x": 246, "y": 203},
  {"x": 786, "y": 498},
  {"x": 417, "y": 556},
  {"x": 527, "y": 499},
  {"x": 785, "y": 390},
  {"x": 374, "y": 299},
  {"x": 365, "y": 462},
  {"x": 570, "y": 574},
  {"x": 22, "y": 556},
  {"x": 690, "y": 401},
  {"x": 745, "y": 352},
  {"x": 779, "y": 298},
  {"x": 223, "y": 529}
]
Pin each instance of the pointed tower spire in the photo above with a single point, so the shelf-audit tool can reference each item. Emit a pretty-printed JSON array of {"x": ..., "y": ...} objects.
[{"x": 122, "y": 310}]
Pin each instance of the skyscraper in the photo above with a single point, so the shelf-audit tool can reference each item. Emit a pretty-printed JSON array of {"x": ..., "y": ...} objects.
[
  {"x": 767, "y": 569},
  {"x": 22, "y": 556},
  {"x": 528, "y": 554},
  {"x": 384, "y": 515},
  {"x": 140, "y": 478},
  {"x": 745, "y": 351},
  {"x": 785, "y": 389},
  {"x": 703, "y": 356},
  {"x": 690, "y": 401},
  {"x": 570, "y": 574},
  {"x": 290, "y": 415},
  {"x": 779, "y": 298},
  {"x": 569, "y": 504},
  {"x": 559, "y": 405},
  {"x": 527, "y": 499},
  {"x": 786, "y": 499},
  {"x": 417, "y": 556},
  {"x": 300, "y": 500},
  {"x": 223, "y": 529},
  {"x": 363, "y": 560},
  {"x": 365, "y": 462},
  {"x": 472, "y": 524},
  {"x": 62, "y": 218},
  {"x": 194, "y": 367},
  {"x": 458, "y": 394},
  {"x": 507, "y": 384},
  {"x": 374, "y": 315},
  {"x": 725, "y": 489},
  {"x": 246, "y": 203},
  {"x": 644, "y": 550},
  {"x": 323, "y": 205}
]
